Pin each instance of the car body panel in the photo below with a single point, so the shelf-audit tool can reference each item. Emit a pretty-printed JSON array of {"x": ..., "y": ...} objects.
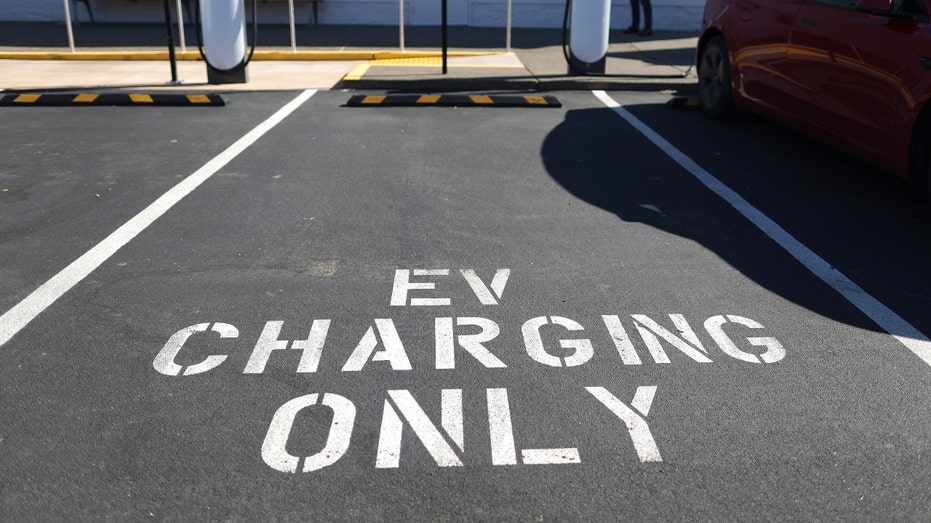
[
  {"x": 760, "y": 32},
  {"x": 855, "y": 78},
  {"x": 855, "y": 84}
]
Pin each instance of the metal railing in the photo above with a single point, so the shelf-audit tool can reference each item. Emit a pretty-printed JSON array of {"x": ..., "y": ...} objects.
[
  {"x": 180, "y": 12},
  {"x": 507, "y": 37}
]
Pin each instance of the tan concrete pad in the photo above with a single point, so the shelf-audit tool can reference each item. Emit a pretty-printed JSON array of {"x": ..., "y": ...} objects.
[{"x": 51, "y": 74}]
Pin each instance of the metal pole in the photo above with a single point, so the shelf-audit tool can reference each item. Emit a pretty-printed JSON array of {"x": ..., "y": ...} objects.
[
  {"x": 171, "y": 42},
  {"x": 291, "y": 15},
  {"x": 68, "y": 25},
  {"x": 445, "y": 28},
  {"x": 181, "y": 25},
  {"x": 401, "y": 22},
  {"x": 508, "y": 30}
]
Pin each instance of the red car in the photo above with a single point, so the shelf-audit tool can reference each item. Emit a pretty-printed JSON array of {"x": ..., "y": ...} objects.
[{"x": 856, "y": 73}]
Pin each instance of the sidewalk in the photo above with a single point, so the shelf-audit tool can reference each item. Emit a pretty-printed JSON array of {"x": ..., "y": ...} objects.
[{"x": 35, "y": 57}]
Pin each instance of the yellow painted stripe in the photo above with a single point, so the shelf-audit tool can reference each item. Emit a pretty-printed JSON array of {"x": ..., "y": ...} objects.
[
  {"x": 85, "y": 98},
  {"x": 373, "y": 99},
  {"x": 414, "y": 61},
  {"x": 428, "y": 99},
  {"x": 26, "y": 98},
  {"x": 390, "y": 55},
  {"x": 481, "y": 99},
  {"x": 536, "y": 100},
  {"x": 141, "y": 98},
  {"x": 198, "y": 98},
  {"x": 357, "y": 72}
]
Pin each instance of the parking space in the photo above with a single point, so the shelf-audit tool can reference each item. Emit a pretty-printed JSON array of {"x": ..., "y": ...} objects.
[
  {"x": 453, "y": 313},
  {"x": 73, "y": 175}
]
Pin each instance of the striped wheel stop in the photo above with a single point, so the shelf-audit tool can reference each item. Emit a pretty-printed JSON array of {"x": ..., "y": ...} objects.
[
  {"x": 451, "y": 100},
  {"x": 111, "y": 99}
]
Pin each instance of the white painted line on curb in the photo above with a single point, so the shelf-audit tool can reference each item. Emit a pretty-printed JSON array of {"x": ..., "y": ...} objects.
[
  {"x": 908, "y": 335},
  {"x": 25, "y": 311}
]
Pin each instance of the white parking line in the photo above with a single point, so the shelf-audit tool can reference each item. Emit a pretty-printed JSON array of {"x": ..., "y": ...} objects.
[
  {"x": 908, "y": 335},
  {"x": 25, "y": 311}
]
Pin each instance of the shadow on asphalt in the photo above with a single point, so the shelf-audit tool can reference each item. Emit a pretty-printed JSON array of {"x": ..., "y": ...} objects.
[
  {"x": 869, "y": 225},
  {"x": 678, "y": 56}
]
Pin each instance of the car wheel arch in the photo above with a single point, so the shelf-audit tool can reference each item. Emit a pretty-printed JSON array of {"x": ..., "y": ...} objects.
[
  {"x": 703, "y": 40},
  {"x": 706, "y": 36}
]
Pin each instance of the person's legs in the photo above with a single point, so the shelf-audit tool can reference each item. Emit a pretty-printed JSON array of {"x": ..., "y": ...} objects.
[
  {"x": 647, "y": 17},
  {"x": 634, "y": 16}
]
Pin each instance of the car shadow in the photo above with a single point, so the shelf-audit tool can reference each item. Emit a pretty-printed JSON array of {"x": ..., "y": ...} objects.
[{"x": 865, "y": 223}]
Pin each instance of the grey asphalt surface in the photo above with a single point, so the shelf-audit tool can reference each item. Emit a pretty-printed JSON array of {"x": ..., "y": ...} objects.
[{"x": 312, "y": 221}]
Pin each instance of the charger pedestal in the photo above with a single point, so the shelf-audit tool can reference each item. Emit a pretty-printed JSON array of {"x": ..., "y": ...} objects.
[
  {"x": 590, "y": 23},
  {"x": 224, "y": 30}
]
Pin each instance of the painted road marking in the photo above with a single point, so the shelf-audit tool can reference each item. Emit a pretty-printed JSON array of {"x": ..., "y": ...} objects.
[
  {"x": 111, "y": 99},
  {"x": 445, "y": 442},
  {"x": 357, "y": 72},
  {"x": 372, "y": 100},
  {"x": 198, "y": 99},
  {"x": 25, "y": 311},
  {"x": 141, "y": 98},
  {"x": 388, "y": 345},
  {"x": 85, "y": 98},
  {"x": 24, "y": 98},
  {"x": 436, "y": 61},
  {"x": 452, "y": 100},
  {"x": 428, "y": 99},
  {"x": 906, "y": 333},
  {"x": 382, "y": 344}
]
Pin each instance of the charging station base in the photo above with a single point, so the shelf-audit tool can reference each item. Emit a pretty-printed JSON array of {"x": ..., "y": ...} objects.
[
  {"x": 215, "y": 76},
  {"x": 578, "y": 67}
]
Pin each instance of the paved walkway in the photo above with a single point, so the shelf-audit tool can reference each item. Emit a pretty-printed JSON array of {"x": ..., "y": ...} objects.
[{"x": 35, "y": 57}]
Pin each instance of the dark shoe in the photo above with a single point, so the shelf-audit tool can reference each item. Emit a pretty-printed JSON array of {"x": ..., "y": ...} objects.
[
  {"x": 630, "y": 30},
  {"x": 646, "y": 32}
]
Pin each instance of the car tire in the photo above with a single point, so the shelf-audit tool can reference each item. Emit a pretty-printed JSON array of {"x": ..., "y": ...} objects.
[{"x": 714, "y": 79}]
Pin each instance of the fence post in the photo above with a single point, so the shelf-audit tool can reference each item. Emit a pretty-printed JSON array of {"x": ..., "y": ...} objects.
[
  {"x": 181, "y": 26},
  {"x": 68, "y": 25},
  {"x": 508, "y": 29},
  {"x": 401, "y": 22},
  {"x": 171, "y": 42},
  {"x": 291, "y": 17}
]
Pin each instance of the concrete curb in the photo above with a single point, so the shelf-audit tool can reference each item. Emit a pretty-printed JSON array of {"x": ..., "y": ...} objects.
[{"x": 685, "y": 86}]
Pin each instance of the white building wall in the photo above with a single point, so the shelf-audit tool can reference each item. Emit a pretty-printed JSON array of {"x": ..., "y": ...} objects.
[{"x": 667, "y": 14}]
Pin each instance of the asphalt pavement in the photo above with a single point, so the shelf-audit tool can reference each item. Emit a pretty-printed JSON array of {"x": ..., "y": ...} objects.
[
  {"x": 36, "y": 57},
  {"x": 585, "y": 306},
  {"x": 292, "y": 309}
]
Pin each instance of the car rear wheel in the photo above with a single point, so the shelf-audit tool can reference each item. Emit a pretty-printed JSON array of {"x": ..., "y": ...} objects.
[{"x": 714, "y": 79}]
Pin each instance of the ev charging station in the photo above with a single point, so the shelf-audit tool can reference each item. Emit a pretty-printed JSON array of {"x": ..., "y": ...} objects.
[
  {"x": 588, "y": 35},
  {"x": 223, "y": 30}
]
